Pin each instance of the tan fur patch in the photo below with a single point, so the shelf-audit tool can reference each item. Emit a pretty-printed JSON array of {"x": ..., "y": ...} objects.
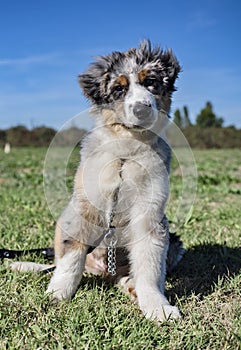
[
  {"x": 111, "y": 121},
  {"x": 91, "y": 214},
  {"x": 118, "y": 129},
  {"x": 60, "y": 246},
  {"x": 88, "y": 211},
  {"x": 73, "y": 245},
  {"x": 109, "y": 116},
  {"x": 142, "y": 75},
  {"x": 132, "y": 293},
  {"x": 122, "y": 80}
]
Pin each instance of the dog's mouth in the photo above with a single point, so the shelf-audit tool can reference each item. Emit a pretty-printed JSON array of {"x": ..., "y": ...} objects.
[
  {"x": 140, "y": 126},
  {"x": 132, "y": 127},
  {"x": 136, "y": 127}
]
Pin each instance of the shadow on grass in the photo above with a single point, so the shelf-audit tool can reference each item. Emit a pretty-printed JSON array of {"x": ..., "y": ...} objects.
[
  {"x": 90, "y": 282},
  {"x": 201, "y": 268}
]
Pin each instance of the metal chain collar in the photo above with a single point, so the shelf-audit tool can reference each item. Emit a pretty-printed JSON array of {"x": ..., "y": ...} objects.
[
  {"x": 111, "y": 241},
  {"x": 110, "y": 238}
]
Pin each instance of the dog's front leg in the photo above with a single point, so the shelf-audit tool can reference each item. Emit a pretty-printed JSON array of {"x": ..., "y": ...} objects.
[
  {"x": 148, "y": 255},
  {"x": 70, "y": 253},
  {"x": 68, "y": 273}
]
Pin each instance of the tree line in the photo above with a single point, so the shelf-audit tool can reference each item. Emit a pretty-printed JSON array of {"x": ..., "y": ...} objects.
[
  {"x": 205, "y": 119},
  {"x": 20, "y": 136},
  {"x": 206, "y": 132}
]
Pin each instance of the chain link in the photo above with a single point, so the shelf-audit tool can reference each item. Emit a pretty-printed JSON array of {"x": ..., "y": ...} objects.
[
  {"x": 110, "y": 238},
  {"x": 111, "y": 261},
  {"x": 111, "y": 242}
]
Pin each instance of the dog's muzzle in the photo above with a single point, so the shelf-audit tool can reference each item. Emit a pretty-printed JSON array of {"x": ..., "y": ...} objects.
[
  {"x": 142, "y": 111},
  {"x": 144, "y": 114}
]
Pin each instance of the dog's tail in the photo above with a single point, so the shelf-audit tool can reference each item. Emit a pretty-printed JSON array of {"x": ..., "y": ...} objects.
[
  {"x": 95, "y": 264},
  {"x": 27, "y": 266}
]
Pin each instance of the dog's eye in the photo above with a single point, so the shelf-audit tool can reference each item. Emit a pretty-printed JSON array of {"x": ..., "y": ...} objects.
[
  {"x": 151, "y": 82},
  {"x": 119, "y": 88},
  {"x": 118, "y": 91}
]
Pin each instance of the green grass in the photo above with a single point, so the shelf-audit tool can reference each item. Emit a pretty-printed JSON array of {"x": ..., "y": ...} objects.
[{"x": 206, "y": 285}]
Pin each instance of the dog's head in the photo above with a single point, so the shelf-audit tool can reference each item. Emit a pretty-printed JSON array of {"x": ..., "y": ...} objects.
[{"x": 132, "y": 88}]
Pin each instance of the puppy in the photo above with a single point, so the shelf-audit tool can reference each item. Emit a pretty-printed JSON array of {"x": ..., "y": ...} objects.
[{"x": 121, "y": 185}]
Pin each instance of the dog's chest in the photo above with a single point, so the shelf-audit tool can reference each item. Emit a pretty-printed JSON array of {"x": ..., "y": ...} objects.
[{"x": 136, "y": 176}]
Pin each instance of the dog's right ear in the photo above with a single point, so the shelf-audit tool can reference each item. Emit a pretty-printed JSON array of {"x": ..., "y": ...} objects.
[{"x": 93, "y": 81}]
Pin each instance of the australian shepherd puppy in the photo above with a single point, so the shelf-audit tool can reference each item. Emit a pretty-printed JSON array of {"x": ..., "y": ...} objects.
[{"x": 122, "y": 178}]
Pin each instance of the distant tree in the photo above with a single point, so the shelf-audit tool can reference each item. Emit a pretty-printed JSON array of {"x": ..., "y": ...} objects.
[
  {"x": 213, "y": 137},
  {"x": 207, "y": 118},
  {"x": 178, "y": 118},
  {"x": 219, "y": 122},
  {"x": 186, "y": 119},
  {"x": 18, "y": 136},
  {"x": 42, "y": 136},
  {"x": 182, "y": 120},
  {"x": 3, "y": 137},
  {"x": 231, "y": 127}
]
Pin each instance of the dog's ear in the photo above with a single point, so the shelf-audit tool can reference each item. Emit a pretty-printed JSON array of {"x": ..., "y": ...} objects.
[
  {"x": 164, "y": 60},
  {"x": 93, "y": 81},
  {"x": 170, "y": 69}
]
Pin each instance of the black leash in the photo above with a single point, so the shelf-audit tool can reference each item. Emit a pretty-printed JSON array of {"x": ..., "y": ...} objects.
[{"x": 46, "y": 253}]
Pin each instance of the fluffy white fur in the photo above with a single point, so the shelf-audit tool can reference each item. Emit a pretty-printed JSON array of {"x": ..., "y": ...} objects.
[{"x": 143, "y": 193}]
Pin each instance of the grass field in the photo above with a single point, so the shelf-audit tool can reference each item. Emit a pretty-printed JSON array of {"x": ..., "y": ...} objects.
[{"x": 206, "y": 286}]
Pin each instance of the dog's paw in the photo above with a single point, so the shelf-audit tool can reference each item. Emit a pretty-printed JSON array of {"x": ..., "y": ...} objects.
[
  {"x": 156, "y": 307},
  {"x": 54, "y": 297},
  {"x": 58, "y": 294},
  {"x": 163, "y": 313},
  {"x": 61, "y": 289},
  {"x": 171, "y": 313},
  {"x": 127, "y": 287}
]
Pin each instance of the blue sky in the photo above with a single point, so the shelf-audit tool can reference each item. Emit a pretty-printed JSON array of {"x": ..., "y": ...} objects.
[{"x": 44, "y": 45}]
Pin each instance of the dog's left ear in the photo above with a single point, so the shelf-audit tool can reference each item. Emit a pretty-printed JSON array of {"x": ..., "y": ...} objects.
[
  {"x": 92, "y": 82},
  {"x": 170, "y": 69}
]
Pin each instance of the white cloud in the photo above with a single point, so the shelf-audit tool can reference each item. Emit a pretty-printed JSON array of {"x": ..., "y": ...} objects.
[
  {"x": 200, "y": 20},
  {"x": 28, "y": 60}
]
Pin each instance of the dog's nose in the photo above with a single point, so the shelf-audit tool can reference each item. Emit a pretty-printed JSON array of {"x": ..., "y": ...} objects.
[{"x": 142, "y": 109}]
